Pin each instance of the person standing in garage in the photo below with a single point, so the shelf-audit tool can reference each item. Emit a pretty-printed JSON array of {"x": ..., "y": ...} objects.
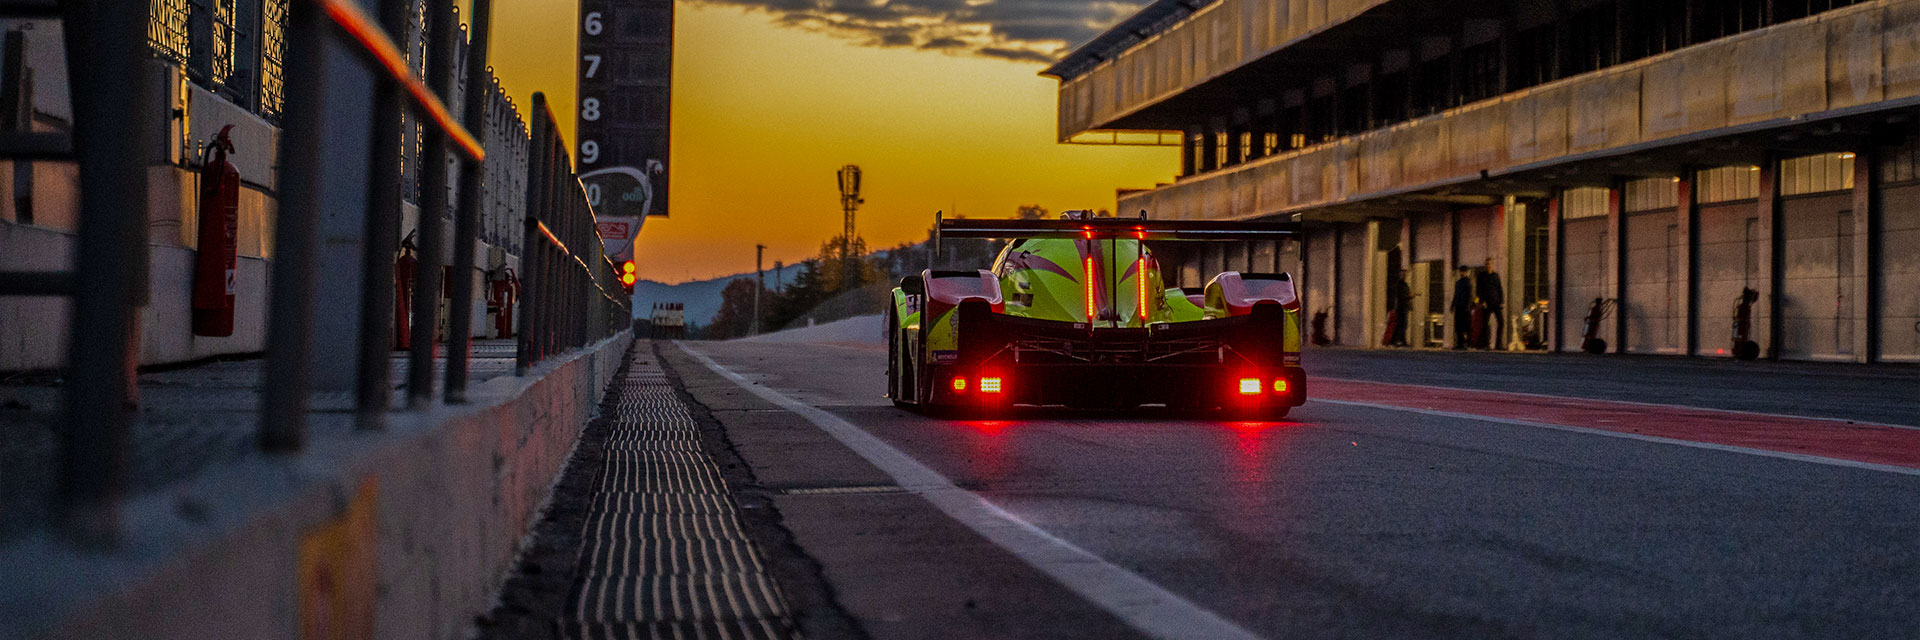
[
  {"x": 1399, "y": 303},
  {"x": 1462, "y": 308},
  {"x": 1494, "y": 298}
]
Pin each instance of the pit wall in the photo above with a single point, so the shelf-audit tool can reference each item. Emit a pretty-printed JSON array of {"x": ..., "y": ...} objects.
[{"x": 406, "y": 533}]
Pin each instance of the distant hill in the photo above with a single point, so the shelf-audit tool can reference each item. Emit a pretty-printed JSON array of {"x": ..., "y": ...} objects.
[{"x": 701, "y": 297}]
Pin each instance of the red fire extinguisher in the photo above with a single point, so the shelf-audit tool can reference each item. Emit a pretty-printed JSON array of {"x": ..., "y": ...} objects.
[
  {"x": 1591, "y": 342},
  {"x": 213, "y": 268},
  {"x": 1744, "y": 348},
  {"x": 403, "y": 294},
  {"x": 505, "y": 293}
]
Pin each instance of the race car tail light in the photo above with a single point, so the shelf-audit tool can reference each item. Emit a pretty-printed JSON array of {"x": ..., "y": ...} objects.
[
  {"x": 1140, "y": 273},
  {"x": 1280, "y": 385},
  {"x": 1140, "y": 268},
  {"x": 959, "y": 384},
  {"x": 989, "y": 385},
  {"x": 1249, "y": 386},
  {"x": 1089, "y": 281}
]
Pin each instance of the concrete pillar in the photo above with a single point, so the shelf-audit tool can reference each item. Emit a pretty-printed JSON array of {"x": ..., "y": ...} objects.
[
  {"x": 1209, "y": 149},
  {"x": 1866, "y": 255},
  {"x": 1616, "y": 253},
  {"x": 1371, "y": 298},
  {"x": 1189, "y": 155},
  {"x": 1767, "y": 209},
  {"x": 1557, "y": 298},
  {"x": 1510, "y": 247},
  {"x": 1687, "y": 221},
  {"x": 1333, "y": 289},
  {"x": 1450, "y": 262}
]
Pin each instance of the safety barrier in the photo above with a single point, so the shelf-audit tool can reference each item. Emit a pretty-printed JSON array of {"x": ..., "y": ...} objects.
[{"x": 570, "y": 284}]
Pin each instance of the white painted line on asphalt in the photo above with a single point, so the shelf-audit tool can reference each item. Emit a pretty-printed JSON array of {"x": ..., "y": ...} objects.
[
  {"x": 1140, "y": 603},
  {"x": 1797, "y": 457},
  {"x": 1656, "y": 405}
]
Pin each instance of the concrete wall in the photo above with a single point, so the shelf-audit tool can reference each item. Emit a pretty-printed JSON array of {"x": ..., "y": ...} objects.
[
  {"x": 406, "y": 533},
  {"x": 1479, "y": 231}
]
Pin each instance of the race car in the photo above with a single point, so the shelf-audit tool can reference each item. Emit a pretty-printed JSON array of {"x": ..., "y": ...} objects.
[{"x": 1075, "y": 312}]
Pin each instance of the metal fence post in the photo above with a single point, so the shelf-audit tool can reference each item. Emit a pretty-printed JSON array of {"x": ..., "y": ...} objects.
[
  {"x": 110, "y": 267},
  {"x": 466, "y": 224},
  {"x": 531, "y": 248},
  {"x": 283, "y": 411},
  {"x": 433, "y": 209},
  {"x": 373, "y": 389}
]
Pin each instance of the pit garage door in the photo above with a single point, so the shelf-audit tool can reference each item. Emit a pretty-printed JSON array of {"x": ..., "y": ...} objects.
[
  {"x": 1656, "y": 280},
  {"x": 1732, "y": 255},
  {"x": 1900, "y": 274},
  {"x": 1583, "y": 277},
  {"x": 1816, "y": 304}
]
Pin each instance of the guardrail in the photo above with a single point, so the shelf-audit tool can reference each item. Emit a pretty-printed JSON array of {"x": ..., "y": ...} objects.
[
  {"x": 570, "y": 302},
  {"x": 575, "y": 298}
]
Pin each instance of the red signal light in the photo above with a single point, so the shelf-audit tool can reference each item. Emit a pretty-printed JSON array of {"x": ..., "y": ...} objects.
[
  {"x": 629, "y": 267},
  {"x": 627, "y": 278}
]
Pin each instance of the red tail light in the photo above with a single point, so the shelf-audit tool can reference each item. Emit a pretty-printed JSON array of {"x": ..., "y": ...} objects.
[
  {"x": 959, "y": 384},
  {"x": 989, "y": 385},
  {"x": 1249, "y": 386},
  {"x": 1090, "y": 291},
  {"x": 1279, "y": 385}
]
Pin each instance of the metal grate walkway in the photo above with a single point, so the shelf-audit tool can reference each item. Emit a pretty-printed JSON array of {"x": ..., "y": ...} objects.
[{"x": 662, "y": 553}]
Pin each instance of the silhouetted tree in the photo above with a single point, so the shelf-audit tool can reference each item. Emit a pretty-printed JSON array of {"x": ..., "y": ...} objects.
[{"x": 735, "y": 318}]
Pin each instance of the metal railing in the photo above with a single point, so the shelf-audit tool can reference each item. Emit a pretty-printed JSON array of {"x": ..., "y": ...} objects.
[
  {"x": 573, "y": 288},
  {"x": 574, "y": 296}
]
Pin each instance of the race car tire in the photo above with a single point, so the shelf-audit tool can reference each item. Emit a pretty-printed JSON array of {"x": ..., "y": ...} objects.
[{"x": 893, "y": 360}]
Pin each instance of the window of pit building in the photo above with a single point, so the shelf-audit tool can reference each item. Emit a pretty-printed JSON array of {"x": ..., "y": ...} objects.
[
  {"x": 1584, "y": 202},
  {"x": 1727, "y": 184},
  {"x": 1650, "y": 194},
  {"x": 1900, "y": 161},
  {"x": 1818, "y": 173},
  {"x": 229, "y": 47}
]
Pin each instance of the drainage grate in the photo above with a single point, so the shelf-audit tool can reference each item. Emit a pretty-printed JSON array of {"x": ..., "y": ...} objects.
[
  {"x": 833, "y": 491},
  {"x": 663, "y": 554}
]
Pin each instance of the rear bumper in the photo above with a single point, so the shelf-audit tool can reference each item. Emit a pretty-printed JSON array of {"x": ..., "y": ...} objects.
[{"x": 1119, "y": 385}]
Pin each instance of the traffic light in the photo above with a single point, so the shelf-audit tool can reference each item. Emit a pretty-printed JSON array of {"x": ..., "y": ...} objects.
[{"x": 628, "y": 275}]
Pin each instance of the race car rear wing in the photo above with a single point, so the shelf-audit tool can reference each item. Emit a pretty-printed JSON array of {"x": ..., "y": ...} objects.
[{"x": 1112, "y": 229}]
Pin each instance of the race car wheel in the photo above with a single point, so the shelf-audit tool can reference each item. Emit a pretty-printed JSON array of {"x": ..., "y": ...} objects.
[{"x": 894, "y": 388}]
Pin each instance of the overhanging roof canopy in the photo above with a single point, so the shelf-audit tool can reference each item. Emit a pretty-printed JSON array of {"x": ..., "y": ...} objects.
[{"x": 1150, "y": 20}]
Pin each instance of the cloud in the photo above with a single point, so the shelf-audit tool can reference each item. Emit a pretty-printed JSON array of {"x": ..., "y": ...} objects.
[{"x": 1019, "y": 30}]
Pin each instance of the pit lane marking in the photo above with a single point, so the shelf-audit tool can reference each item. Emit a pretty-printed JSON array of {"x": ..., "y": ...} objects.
[
  {"x": 1655, "y": 405},
  {"x": 1136, "y": 601},
  {"x": 1783, "y": 455}
]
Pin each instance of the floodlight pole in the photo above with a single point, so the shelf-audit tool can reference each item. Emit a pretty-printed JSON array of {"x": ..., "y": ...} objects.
[{"x": 759, "y": 282}]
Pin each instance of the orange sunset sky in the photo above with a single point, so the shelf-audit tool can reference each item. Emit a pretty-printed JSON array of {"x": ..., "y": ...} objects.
[{"x": 765, "y": 113}]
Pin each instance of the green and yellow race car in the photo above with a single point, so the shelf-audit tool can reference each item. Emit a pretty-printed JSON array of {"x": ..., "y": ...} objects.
[{"x": 1075, "y": 312}]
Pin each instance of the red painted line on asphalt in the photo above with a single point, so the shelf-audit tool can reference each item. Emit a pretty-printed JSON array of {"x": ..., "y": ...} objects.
[{"x": 1786, "y": 434}]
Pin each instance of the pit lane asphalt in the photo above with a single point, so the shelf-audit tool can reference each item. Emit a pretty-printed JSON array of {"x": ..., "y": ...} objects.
[{"x": 1344, "y": 521}]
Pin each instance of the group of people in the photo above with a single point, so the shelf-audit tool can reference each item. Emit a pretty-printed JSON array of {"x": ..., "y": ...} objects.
[
  {"x": 1478, "y": 305},
  {"x": 1478, "y": 309}
]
